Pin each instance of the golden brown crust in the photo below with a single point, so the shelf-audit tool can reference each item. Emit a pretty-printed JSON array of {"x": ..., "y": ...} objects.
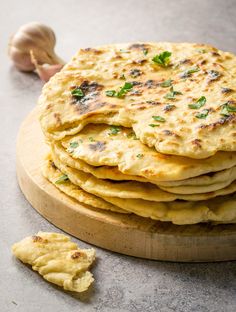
[{"x": 195, "y": 71}]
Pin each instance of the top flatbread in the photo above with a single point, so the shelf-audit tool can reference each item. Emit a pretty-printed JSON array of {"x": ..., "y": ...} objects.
[{"x": 201, "y": 76}]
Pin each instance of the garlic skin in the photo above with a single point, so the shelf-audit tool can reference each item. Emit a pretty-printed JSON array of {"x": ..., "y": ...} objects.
[{"x": 35, "y": 37}]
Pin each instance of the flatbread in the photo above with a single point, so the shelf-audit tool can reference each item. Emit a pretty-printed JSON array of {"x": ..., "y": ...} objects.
[
  {"x": 96, "y": 147},
  {"x": 208, "y": 179},
  {"x": 199, "y": 189},
  {"x": 130, "y": 189},
  {"x": 53, "y": 174},
  {"x": 57, "y": 259},
  {"x": 189, "y": 128},
  {"x": 221, "y": 209},
  {"x": 201, "y": 184}
]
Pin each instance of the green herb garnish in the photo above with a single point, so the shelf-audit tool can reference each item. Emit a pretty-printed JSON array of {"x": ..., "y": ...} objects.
[
  {"x": 139, "y": 156},
  {"x": 187, "y": 73},
  {"x": 166, "y": 83},
  {"x": 62, "y": 179},
  {"x": 126, "y": 87},
  {"x": 72, "y": 146},
  {"x": 171, "y": 95},
  {"x": 132, "y": 135},
  {"x": 122, "y": 77},
  {"x": 202, "y": 51},
  {"x": 159, "y": 118},
  {"x": 200, "y": 102},
  {"x": 203, "y": 114},
  {"x": 91, "y": 139},
  {"x": 123, "y": 90},
  {"x": 226, "y": 109},
  {"x": 78, "y": 93},
  {"x": 162, "y": 59},
  {"x": 110, "y": 93},
  {"x": 114, "y": 130},
  {"x": 154, "y": 125},
  {"x": 145, "y": 51}
]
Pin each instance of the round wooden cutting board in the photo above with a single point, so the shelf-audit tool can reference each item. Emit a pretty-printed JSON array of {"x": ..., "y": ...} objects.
[{"x": 127, "y": 234}]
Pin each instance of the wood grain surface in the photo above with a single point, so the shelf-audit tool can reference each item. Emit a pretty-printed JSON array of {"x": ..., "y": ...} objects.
[{"x": 126, "y": 234}]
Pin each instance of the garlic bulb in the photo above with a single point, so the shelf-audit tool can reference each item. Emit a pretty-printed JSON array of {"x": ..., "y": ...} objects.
[{"x": 35, "y": 37}]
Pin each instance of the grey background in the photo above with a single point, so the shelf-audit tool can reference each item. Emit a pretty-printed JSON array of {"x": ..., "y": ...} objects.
[{"x": 122, "y": 283}]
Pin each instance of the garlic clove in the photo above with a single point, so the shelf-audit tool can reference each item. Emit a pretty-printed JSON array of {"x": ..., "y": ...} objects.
[
  {"x": 36, "y": 37},
  {"x": 45, "y": 71}
]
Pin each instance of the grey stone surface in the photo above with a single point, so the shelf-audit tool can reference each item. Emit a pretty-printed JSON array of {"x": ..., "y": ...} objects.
[{"x": 122, "y": 283}]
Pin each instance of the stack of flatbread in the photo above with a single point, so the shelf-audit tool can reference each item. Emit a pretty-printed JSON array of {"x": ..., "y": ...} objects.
[{"x": 145, "y": 128}]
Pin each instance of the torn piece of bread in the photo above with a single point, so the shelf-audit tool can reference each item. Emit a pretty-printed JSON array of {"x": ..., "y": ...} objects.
[{"x": 57, "y": 259}]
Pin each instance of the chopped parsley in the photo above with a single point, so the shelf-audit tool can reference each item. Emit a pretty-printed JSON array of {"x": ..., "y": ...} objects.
[
  {"x": 159, "y": 118},
  {"x": 226, "y": 109},
  {"x": 202, "y": 51},
  {"x": 114, "y": 130},
  {"x": 154, "y": 125},
  {"x": 171, "y": 95},
  {"x": 132, "y": 135},
  {"x": 110, "y": 93},
  {"x": 122, "y": 77},
  {"x": 188, "y": 72},
  {"x": 62, "y": 179},
  {"x": 231, "y": 109},
  {"x": 200, "y": 102},
  {"x": 145, "y": 51},
  {"x": 203, "y": 114},
  {"x": 78, "y": 93},
  {"x": 166, "y": 83},
  {"x": 91, "y": 139},
  {"x": 126, "y": 87},
  {"x": 162, "y": 59},
  {"x": 123, "y": 90},
  {"x": 72, "y": 146},
  {"x": 139, "y": 156}
]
